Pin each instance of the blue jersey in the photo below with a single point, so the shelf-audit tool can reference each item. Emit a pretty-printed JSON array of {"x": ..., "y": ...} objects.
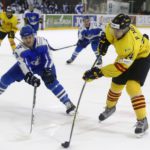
[
  {"x": 33, "y": 18},
  {"x": 34, "y": 60},
  {"x": 89, "y": 34},
  {"x": 79, "y": 8},
  {"x": 37, "y": 57}
]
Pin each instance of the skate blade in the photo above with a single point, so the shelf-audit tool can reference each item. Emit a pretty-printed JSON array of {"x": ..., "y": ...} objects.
[
  {"x": 72, "y": 113},
  {"x": 140, "y": 135},
  {"x": 99, "y": 65}
]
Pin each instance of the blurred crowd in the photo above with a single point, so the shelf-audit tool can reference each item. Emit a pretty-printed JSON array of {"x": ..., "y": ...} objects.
[
  {"x": 45, "y": 6},
  {"x": 72, "y": 6}
]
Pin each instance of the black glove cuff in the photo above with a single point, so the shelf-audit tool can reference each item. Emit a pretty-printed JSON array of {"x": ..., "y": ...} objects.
[{"x": 28, "y": 77}]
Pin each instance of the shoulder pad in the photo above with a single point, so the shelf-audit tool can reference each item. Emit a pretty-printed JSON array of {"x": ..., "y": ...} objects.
[{"x": 41, "y": 41}]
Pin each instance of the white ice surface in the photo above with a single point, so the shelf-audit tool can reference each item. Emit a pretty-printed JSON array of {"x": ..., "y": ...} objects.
[{"x": 52, "y": 125}]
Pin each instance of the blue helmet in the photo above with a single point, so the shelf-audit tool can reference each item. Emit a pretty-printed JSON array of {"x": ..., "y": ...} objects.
[{"x": 26, "y": 31}]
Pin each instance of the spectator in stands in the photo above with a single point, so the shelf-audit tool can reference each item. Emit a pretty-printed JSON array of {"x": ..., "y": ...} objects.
[
  {"x": 79, "y": 8},
  {"x": 65, "y": 8}
]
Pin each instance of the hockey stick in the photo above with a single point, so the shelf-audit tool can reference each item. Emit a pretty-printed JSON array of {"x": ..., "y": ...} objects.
[
  {"x": 57, "y": 49},
  {"x": 53, "y": 49},
  {"x": 66, "y": 144},
  {"x": 33, "y": 106}
]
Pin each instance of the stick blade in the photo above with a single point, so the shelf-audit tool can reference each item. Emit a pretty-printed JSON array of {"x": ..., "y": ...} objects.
[{"x": 65, "y": 144}]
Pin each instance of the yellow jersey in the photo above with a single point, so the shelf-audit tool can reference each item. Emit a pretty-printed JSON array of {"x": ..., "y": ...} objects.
[
  {"x": 8, "y": 24},
  {"x": 130, "y": 47}
]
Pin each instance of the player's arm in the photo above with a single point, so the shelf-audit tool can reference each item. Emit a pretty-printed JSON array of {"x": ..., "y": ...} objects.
[
  {"x": 120, "y": 66},
  {"x": 81, "y": 38},
  {"x": 14, "y": 28},
  {"x": 26, "y": 21},
  {"x": 22, "y": 60},
  {"x": 14, "y": 25},
  {"x": 48, "y": 75},
  {"x": 96, "y": 31},
  {"x": 40, "y": 17},
  {"x": 0, "y": 19},
  {"x": 41, "y": 20},
  {"x": 103, "y": 44},
  {"x": 81, "y": 34},
  {"x": 25, "y": 68},
  {"x": 106, "y": 39}
]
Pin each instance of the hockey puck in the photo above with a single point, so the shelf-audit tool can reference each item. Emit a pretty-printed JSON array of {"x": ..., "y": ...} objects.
[{"x": 65, "y": 144}]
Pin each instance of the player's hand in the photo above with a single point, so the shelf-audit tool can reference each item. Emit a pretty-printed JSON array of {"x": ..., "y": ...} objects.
[
  {"x": 11, "y": 34},
  {"x": 40, "y": 20},
  {"x": 82, "y": 43},
  {"x": 92, "y": 74},
  {"x": 103, "y": 45},
  {"x": 79, "y": 42},
  {"x": 32, "y": 80},
  {"x": 48, "y": 76},
  {"x": 146, "y": 36}
]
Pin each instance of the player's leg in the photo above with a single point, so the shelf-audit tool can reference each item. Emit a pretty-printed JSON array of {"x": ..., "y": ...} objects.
[
  {"x": 2, "y": 36},
  {"x": 94, "y": 45},
  {"x": 112, "y": 99},
  {"x": 137, "y": 76},
  {"x": 138, "y": 102},
  {"x": 12, "y": 75},
  {"x": 57, "y": 89},
  {"x": 78, "y": 49},
  {"x": 11, "y": 36}
]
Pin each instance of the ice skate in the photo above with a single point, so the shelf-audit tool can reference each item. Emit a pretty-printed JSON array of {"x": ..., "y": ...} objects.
[{"x": 107, "y": 113}]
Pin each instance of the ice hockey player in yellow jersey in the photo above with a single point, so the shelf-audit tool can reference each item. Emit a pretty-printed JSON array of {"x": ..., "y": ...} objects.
[
  {"x": 8, "y": 26},
  {"x": 129, "y": 69}
]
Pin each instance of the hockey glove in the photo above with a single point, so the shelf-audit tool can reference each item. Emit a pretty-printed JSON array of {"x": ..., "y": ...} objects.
[
  {"x": 82, "y": 43},
  {"x": 103, "y": 45},
  {"x": 26, "y": 21},
  {"x": 32, "y": 80},
  {"x": 11, "y": 34},
  {"x": 92, "y": 74},
  {"x": 146, "y": 36},
  {"x": 40, "y": 20},
  {"x": 48, "y": 76}
]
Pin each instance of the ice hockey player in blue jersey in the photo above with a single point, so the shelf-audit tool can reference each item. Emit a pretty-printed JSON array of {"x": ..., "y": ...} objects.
[
  {"x": 33, "y": 17},
  {"x": 88, "y": 34},
  {"x": 34, "y": 57}
]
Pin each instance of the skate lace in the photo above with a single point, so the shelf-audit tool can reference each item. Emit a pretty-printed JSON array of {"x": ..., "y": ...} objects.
[
  {"x": 139, "y": 123},
  {"x": 107, "y": 110}
]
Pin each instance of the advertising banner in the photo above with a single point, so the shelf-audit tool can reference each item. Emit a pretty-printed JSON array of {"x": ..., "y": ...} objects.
[
  {"x": 143, "y": 20},
  {"x": 78, "y": 20},
  {"x": 114, "y": 7},
  {"x": 104, "y": 19},
  {"x": 58, "y": 21}
]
